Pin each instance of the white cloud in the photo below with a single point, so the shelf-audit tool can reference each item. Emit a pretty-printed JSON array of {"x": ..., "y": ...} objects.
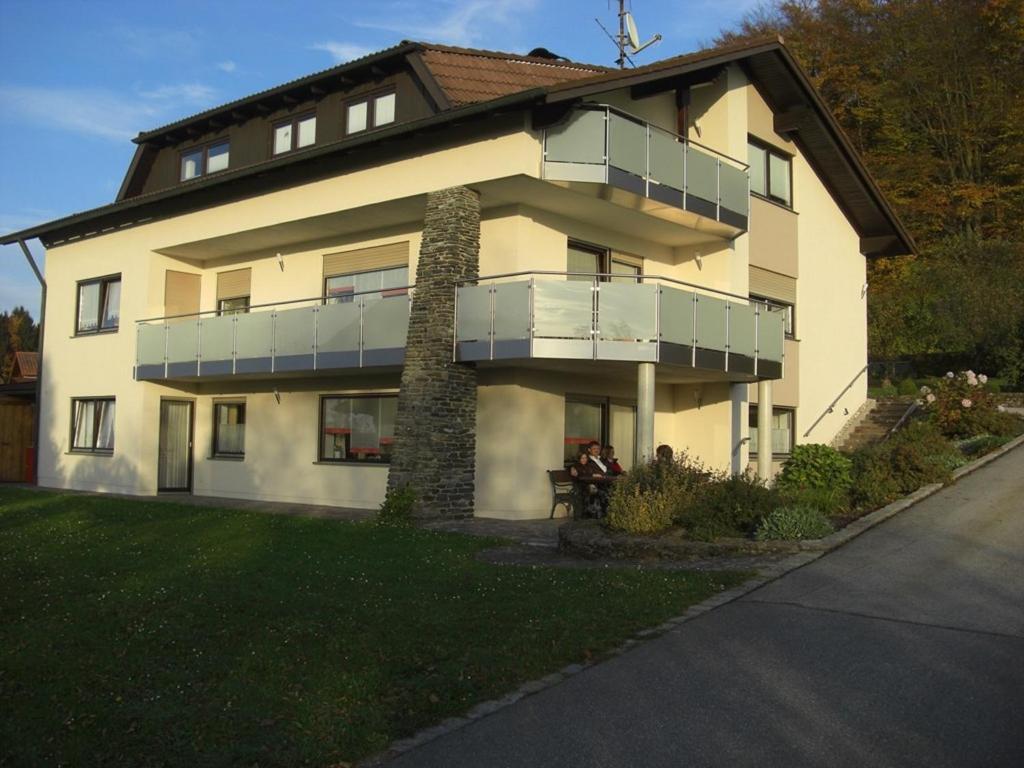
[
  {"x": 103, "y": 113},
  {"x": 342, "y": 52},
  {"x": 462, "y": 22},
  {"x": 227, "y": 66}
]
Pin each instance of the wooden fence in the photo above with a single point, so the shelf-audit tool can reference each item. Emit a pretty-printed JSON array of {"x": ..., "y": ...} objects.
[{"x": 16, "y": 441}]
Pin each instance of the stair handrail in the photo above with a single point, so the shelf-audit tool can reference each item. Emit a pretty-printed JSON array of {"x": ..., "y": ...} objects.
[
  {"x": 832, "y": 406},
  {"x": 906, "y": 415}
]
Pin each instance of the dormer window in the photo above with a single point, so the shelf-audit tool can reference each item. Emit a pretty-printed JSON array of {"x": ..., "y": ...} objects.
[
  {"x": 370, "y": 112},
  {"x": 294, "y": 133},
  {"x": 200, "y": 161}
]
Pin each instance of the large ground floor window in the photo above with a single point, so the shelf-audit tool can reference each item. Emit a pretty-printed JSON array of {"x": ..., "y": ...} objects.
[
  {"x": 357, "y": 428},
  {"x": 607, "y": 421},
  {"x": 783, "y": 427},
  {"x": 92, "y": 424}
]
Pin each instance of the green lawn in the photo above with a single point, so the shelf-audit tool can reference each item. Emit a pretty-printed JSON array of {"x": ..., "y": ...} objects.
[{"x": 152, "y": 634}]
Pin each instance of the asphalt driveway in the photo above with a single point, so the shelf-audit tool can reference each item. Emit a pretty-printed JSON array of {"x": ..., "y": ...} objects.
[{"x": 903, "y": 648}]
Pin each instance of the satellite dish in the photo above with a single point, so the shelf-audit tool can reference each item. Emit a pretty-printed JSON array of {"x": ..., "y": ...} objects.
[{"x": 631, "y": 31}]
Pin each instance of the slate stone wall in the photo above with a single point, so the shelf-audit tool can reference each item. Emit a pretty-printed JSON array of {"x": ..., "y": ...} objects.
[{"x": 435, "y": 430}]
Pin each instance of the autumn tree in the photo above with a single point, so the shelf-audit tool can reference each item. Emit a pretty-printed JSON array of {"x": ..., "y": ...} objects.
[
  {"x": 931, "y": 92},
  {"x": 18, "y": 333}
]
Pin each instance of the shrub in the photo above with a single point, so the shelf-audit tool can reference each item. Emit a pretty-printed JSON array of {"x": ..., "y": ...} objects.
[
  {"x": 915, "y": 456},
  {"x": 799, "y": 521},
  {"x": 979, "y": 446},
  {"x": 907, "y": 388},
  {"x": 960, "y": 405},
  {"x": 731, "y": 506},
  {"x": 815, "y": 467},
  {"x": 638, "y": 511},
  {"x": 830, "y": 501},
  {"x": 671, "y": 486},
  {"x": 397, "y": 507},
  {"x": 1001, "y": 424}
]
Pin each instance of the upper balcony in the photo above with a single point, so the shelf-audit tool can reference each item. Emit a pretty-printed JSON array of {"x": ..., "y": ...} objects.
[
  {"x": 581, "y": 316},
  {"x": 324, "y": 333},
  {"x": 612, "y": 155}
]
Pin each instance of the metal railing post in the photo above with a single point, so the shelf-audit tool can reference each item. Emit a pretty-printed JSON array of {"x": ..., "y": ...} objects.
[
  {"x": 234, "y": 344},
  {"x": 607, "y": 143},
  {"x": 199, "y": 344},
  {"x": 718, "y": 189},
  {"x": 455, "y": 314},
  {"x": 728, "y": 330},
  {"x": 491, "y": 301},
  {"x": 693, "y": 347},
  {"x": 757, "y": 337},
  {"x": 362, "y": 306},
  {"x": 531, "y": 330},
  {"x": 316, "y": 335},
  {"x": 273, "y": 341}
]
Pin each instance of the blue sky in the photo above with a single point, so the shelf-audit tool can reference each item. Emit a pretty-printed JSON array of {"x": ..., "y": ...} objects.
[{"x": 79, "y": 79}]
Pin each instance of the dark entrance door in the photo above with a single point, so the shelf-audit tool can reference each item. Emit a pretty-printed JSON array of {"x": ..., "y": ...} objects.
[{"x": 174, "y": 472}]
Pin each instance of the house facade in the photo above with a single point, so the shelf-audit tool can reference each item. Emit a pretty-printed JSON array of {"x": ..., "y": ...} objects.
[{"x": 452, "y": 268}]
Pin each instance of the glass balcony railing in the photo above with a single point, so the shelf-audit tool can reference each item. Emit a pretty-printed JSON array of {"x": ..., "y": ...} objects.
[
  {"x": 609, "y": 317},
  {"x": 362, "y": 330},
  {"x": 601, "y": 144}
]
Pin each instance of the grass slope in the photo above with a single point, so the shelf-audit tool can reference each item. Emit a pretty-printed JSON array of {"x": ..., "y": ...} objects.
[{"x": 138, "y": 633}]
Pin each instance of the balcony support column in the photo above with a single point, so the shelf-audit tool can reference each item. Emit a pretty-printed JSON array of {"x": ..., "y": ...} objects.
[
  {"x": 645, "y": 411},
  {"x": 764, "y": 430}
]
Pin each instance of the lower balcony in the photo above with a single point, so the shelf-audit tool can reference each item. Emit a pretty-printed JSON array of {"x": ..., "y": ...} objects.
[
  {"x": 361, "y": 331},
  {"x": 549, "y": 316}
]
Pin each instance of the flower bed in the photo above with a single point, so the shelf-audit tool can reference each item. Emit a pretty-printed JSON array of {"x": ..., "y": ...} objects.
[{"x": 681, "y": 509}]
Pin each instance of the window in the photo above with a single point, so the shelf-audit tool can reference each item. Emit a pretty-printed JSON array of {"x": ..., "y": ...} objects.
[
  {"x": 782, "y": 430},
  {"x": 771, "y": 173},
  {"x": 775, "y": 304},
  {"x": 92, "y": 425},
  {"x": 590, "y": 260},
  {"x": 606, "y": 421},
  {"x": 295, "y": 133},
  {"x": 370, "y": 112},
  {"x": 236, "y": 306},
  {"x": 99, "y": 305},
  {"x": 199, "y": 161},
  {"x": 359, "y": 428},
  {"x": 229, "y": 429},
  {"x": 375, "y": 284}
]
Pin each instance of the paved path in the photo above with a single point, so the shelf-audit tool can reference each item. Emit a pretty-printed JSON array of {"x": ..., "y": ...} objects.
[{"x": 903, "y": 648}]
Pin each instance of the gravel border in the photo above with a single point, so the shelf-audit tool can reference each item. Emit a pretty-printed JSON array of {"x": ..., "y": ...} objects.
[{"x": 771, "y": 573}]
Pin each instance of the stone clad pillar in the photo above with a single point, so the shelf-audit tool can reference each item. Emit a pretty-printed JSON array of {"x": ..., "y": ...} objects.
[{"x": 434, "y": 450}]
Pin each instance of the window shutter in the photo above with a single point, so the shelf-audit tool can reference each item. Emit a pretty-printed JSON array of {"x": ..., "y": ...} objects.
[
  {"x": 772, "y": 285},
  {"x": 181, "y": 293},
  {"x": 367, "y": 259},
  {"x": 234, "y": 284}
]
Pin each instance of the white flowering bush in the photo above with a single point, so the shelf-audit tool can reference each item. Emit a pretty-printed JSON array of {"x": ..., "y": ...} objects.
[{"x": 959, "y": 405}]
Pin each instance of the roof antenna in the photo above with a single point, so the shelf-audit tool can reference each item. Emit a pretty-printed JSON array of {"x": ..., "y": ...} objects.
[{"x": 628, "y": 37}]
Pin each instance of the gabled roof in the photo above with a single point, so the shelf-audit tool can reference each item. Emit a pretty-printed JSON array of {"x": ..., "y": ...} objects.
[
  {"x": 469, "y": 83},
  {"x": 26, "y": 366},
  {"x": 471, "y": 76},
  {"x": 463, "y": 75}
]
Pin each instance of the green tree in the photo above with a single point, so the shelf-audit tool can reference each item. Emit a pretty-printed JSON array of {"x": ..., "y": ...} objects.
[{"x": 18, "y": 333}]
